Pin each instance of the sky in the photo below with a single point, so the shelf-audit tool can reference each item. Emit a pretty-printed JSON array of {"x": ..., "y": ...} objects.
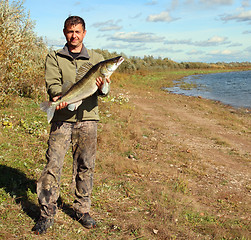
[{"x": 181, "y": 30}]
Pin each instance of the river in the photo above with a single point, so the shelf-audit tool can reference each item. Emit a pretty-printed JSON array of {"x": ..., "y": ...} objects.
[{"x": 231, "y": 88}]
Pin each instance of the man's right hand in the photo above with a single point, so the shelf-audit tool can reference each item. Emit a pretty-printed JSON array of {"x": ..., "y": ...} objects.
[{"x": 61, "y": 105}]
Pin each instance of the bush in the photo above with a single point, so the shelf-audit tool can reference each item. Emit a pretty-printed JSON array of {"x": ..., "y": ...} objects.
[{"x": 22, "y": 53}]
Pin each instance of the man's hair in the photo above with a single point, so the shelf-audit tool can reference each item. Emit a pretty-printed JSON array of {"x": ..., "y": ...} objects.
[{"x": 73, "y": 21}]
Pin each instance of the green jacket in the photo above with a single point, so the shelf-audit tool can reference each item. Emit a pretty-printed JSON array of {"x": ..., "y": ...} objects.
[{"x": 61, "y": 68}]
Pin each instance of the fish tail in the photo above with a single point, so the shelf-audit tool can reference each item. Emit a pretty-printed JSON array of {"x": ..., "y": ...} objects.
[{"x": 49, "y": 108}]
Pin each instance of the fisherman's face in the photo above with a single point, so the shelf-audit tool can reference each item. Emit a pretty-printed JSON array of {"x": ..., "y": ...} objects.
[{"x": 74, "y": 35}]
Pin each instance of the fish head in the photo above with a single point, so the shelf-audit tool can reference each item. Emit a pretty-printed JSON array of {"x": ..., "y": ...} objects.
[{"x": 110, "y": 65}]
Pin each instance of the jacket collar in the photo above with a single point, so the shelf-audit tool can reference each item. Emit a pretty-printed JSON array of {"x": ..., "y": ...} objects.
[{"x": 65, "y": 51}]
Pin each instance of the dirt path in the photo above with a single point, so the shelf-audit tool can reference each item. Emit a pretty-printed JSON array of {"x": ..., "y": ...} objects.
[{"x": 204, "y": 142}]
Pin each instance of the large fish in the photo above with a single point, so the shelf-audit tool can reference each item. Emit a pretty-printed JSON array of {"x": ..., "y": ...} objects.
[{"x": 85, "y": 85}]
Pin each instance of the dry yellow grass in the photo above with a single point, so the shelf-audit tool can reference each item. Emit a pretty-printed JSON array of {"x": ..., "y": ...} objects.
[{"x": 183, "y": 162}]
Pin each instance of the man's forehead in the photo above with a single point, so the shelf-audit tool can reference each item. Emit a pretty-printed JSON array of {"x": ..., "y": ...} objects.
[{"x": 74, "y": 27}]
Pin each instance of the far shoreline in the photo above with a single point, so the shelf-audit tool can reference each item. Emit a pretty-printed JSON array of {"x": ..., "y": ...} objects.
[{"x": 191, "y": 86}]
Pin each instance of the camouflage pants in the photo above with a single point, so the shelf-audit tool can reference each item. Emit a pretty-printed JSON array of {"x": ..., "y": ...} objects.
[{"x": 83, "y": 137}]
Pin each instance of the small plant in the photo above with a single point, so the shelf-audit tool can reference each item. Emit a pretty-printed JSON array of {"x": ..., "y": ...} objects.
[
  {"x": 179, "y": 185},
  {"x": 199, "y": 218}
]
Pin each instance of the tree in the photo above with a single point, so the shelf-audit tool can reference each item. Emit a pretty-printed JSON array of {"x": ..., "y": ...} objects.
[{"x": 22, "y": 53}]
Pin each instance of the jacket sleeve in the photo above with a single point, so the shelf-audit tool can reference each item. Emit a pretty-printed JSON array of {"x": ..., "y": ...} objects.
[{"x": 53, "y": 76}]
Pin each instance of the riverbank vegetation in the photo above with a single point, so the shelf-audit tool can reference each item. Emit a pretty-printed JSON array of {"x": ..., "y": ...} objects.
[
  {"x": 168, "y": 166},
  {"x": 22, "y": 53}
]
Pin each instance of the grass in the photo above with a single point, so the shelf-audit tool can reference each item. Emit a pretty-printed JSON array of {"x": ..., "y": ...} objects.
[{"x": 168, "y": 166}]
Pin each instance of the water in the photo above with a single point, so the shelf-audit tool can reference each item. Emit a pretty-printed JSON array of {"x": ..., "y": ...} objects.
[{"x": 232, "y": 88}]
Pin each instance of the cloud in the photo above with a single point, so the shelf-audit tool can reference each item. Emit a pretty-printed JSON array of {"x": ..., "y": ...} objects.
[
  {"x": 151, "y": 3},
  {"x": 127, "y": 46},
  {"x": 161, "y": 17},
  {"x": 245, "y": 3},
  {"x": 57, "y": 43},
  {"x": 107, "y": 26},
  {"x": 188, "y": 2},
  {"x": 213, "y": 41},
  {"x": 136, "y": 16},
  {"x": 136, "y": 37},
  {"x": 183, "y": 41},
  {"x": 248, "y": 49},
  {"x": 235, "y": 45},
  {"x": 225, "y": 55},
  {"x": 171, "y": 50},
  {"x": 217, "y": 2},
  {"x": 175, "y": 3},
  {"x": 116, "y": 46},
  {"x": 110, "y": 28},
  {"x": 246, "y": 32},
  {"x": 195, "y": 52},
  {"x": 221, "y": 52},
  {"x": 244, "y": 16},
  {"x": 77, "y": 3},
  {"x": 167, "y": 50},
  {"x": 139, "y": 47}
]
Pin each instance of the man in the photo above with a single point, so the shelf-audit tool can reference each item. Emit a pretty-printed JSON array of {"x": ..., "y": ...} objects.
[{"x": 78, "y": 128}]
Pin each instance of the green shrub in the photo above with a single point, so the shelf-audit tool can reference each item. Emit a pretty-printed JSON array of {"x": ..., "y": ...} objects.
[{"x": 22, "y": 53}]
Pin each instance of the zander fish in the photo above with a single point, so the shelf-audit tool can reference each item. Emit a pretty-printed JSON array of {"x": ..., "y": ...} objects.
[{"x": 85, "y": 85}]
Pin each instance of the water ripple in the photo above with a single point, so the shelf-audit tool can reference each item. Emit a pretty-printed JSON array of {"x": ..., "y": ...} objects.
[{"x": 232, "y": 88}]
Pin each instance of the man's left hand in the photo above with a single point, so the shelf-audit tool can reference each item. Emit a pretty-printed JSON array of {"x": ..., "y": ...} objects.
[{"x": 100, "y": 82}]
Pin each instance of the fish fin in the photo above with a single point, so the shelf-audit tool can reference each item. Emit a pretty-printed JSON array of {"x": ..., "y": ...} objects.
[
  {"x": 49, "y": 108},
  {"x": 74, "y": 106},
  {"x": 83, "y": 70},
  {"x": 105, "y": 87}
]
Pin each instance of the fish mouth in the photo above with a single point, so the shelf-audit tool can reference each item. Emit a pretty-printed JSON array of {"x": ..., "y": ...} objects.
[{"x": 121, "y": 59}]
